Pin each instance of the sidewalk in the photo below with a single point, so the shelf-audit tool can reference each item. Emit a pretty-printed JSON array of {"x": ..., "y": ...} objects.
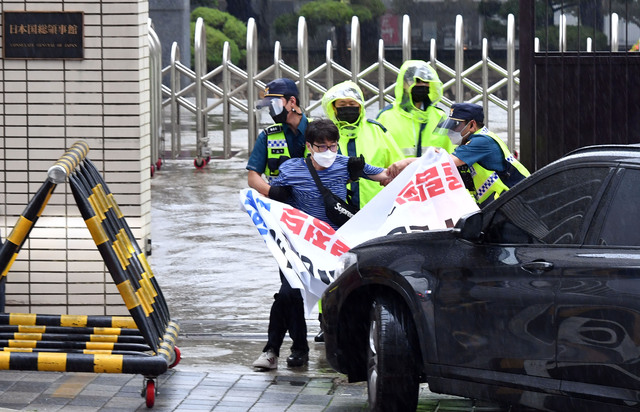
[
  {"x": 218, "y": 279},
  {"x": 198, "y": 391}
]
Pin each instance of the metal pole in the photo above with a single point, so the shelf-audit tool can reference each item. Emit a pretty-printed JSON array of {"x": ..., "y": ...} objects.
[
  {"x": 614, "y": 32},
  {"x": 154, "y": 88},
  {"x": 329, "y": 63},
  {"x": 277, "y": 56},
  {"x": 175, "y": 108},
  {"x": 433, "y": 53},
  {"x": 252, "y": 69},
  {"x": 485, "y": 80},
  {"x": 562, "y": 36},
  {"x": 511, "y": 68},
  {"x": 406, "y": 38},
  {"x": 226, "y": 107},
  {"x": 200, "y": 44},
  {"x": 459, "y": 59},
  {"x": 381, "y": 77},
  {"x": 303, "y": 61},
  {"x": 355, "y": 48}
]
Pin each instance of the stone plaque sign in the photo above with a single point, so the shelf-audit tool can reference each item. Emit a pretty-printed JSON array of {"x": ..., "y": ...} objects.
[{"x": 42, "y": 35}]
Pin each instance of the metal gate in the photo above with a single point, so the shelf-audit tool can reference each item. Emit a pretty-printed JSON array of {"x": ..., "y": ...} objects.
[
  {"x": 201, "y": 95},
  {"x": 575, "y": 89}
]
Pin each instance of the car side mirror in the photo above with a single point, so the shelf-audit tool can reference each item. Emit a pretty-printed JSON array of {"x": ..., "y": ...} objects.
[{"x": 469, "y": 226}]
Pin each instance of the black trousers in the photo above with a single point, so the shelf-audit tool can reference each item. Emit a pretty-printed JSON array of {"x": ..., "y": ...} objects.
[{"x": 287, "y": 314}]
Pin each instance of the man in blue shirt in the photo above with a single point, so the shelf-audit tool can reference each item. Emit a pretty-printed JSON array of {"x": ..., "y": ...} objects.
[{"x": 334, "y": 171}]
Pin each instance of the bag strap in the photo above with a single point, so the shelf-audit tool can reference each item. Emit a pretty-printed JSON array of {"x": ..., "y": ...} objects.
[{"x": 315, "y": 176}]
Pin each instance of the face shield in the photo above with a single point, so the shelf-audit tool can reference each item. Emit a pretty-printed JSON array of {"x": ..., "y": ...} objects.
[
  {"x": 422, "y": 87},
  {"x": 274, "y": 108},
  {"x": 452, "y": 128}
]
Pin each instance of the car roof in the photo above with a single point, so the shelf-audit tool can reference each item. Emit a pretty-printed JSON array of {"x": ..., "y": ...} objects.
[
  {"x": 610, "y": 155},
  {"x": 628, "y": 149}
]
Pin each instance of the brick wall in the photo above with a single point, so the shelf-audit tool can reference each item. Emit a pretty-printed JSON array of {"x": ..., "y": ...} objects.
[{"x": 46, "y": 106}]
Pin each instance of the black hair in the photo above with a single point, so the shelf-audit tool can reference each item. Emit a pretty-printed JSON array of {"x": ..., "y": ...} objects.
[
  {"x": 287, "y": 97},
  {"x": 321, "y": 129}
]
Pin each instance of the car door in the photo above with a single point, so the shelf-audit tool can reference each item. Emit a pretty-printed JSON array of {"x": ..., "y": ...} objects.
[
  {"x": 496, "y": 304},
  {"x": 598, "y": 302}
]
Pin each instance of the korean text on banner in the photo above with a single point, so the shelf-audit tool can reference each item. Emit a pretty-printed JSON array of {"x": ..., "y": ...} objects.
[{"x": 427, "y": 195}]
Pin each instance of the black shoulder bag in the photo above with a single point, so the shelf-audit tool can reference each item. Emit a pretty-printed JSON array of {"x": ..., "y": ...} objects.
[{"x": 337, "y": 210}]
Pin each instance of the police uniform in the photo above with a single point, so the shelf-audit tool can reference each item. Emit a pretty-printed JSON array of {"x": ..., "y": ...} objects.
[
  {"x": 274, "y": 145},
  {"x": 487, "y": 159}
]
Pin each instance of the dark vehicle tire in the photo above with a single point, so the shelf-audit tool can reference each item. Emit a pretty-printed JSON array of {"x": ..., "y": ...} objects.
[{"x": 392, "y": 375}]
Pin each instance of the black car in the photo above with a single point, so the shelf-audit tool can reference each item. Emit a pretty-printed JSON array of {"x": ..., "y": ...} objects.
[{"x": 532, "y": 301}]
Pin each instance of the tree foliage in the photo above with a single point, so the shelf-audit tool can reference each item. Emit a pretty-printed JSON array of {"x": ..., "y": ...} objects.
[
  {"x": 336, "y": 13},
  {"x": 332, "y": 12},
  {"x": 220, "y": 27}
]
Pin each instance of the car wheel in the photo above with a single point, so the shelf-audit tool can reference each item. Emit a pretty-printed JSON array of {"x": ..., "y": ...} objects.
[{"x": 392, "y": 376}]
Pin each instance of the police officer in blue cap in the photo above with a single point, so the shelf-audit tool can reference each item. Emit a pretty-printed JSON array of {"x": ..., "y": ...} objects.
[
  {"x": 487, "y": 166},
  {"x": 276, "y": 144},
  {"x": 279, "y": 142}
]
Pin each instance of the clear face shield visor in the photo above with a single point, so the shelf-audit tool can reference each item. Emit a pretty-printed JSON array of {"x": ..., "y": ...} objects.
[
  {"x": 269, "y": 108},
  {"x": 271, "y": 105},
  {"x": 452, "y": 128}
]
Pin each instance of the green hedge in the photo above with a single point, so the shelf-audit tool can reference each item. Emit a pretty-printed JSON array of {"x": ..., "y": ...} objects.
[{"x": 220, "y": 27}]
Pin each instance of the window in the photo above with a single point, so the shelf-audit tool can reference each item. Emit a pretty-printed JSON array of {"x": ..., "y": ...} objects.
[
  {"x": 620, "y": 221},
  {"x": 551, "y": 211}
]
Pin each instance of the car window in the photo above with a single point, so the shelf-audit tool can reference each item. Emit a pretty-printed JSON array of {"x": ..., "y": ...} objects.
[
  {"x": 620, "y": 222},
  {"x": 551, "y": 211}
]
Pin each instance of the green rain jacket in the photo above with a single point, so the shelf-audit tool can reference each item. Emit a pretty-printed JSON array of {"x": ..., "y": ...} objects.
[
  {"x": 413, "y": 129},
  {"x": 369, "y": 137}
]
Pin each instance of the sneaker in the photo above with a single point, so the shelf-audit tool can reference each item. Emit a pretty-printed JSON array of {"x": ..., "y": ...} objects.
[
  {"x": 298, "y": 358},
  {"x": 266, "y": 360},
  {"x": 319, "y": 337}
]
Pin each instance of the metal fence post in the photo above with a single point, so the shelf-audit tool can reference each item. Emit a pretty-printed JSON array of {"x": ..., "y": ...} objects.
[
  {"x": 155, "y": 91},
  {"x": 329, "y": 63},
  {"x": 459, "y": 59},
  {"x": 562, "y": 34},
  {"x": 485, "y": 79},
  {"x": 406, "y": 38},
  {"x": 226, "y": 108},
  {"x": 614, "y": 32},
  {"x": 433, "y": 53},
  {"x": 303, "y": 61},
  {"x": 511, "y": 87},
  {"x": 200, "y": 60},
  {"x": 252, "y": 69},
  {"x": 176, "y": 140},
  {"x": 277, "y": 56},
  {"x": 355, "y": 48},
  {"x": 381, "y": 76}
]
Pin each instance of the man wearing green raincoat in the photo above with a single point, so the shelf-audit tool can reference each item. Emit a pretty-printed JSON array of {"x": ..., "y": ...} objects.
[
  {"x": 413, "y": 117},
  {"x": 344, "y": 105}
]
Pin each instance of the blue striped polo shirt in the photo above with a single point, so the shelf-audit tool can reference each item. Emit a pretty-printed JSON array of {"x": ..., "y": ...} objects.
[{"x": 306, "y": 196}]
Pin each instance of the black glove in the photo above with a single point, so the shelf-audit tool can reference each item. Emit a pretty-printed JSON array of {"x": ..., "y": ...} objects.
[
  {"x": 467, "y": 179},
  {"x": 280, "y": 193},
  {"x": 355, "y": 165}
]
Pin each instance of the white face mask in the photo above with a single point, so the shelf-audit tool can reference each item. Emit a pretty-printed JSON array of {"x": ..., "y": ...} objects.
[
  {"x": 455, "y": 137},
  {"x": 324, "y": 159}
]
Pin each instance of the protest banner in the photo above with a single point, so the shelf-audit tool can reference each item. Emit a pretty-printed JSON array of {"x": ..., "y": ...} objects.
[{"x": 427, "y": 195}]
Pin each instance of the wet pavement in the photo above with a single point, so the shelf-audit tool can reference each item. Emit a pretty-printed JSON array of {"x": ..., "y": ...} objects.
[{"x": 218, "y": 279}]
